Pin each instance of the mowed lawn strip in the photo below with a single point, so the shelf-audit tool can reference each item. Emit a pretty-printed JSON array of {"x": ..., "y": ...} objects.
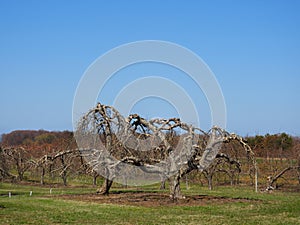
[{"x": 275, "y": 208}]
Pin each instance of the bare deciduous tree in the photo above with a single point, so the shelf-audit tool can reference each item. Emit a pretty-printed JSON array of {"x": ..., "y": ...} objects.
[
  {"x": 4, "y": 166},
  {"x": 63, "y": 160},
  {"x": 219, "y": 166},
  {"x": 108, "y": 141},
  {"x": 19, "y": 158},
  {"x": 273, "y": 179}
]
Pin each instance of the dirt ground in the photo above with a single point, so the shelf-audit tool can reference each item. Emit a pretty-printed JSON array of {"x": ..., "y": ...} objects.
[{"x": 151, "y": 199}]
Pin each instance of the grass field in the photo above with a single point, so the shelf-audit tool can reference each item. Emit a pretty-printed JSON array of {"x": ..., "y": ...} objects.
[{"x": 243, "y": 206}]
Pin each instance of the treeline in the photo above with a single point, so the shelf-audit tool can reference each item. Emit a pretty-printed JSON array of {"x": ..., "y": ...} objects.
[
  {"x": 268, "y": 146},
  {"x": 275, "y": 146},
  {"x": 27, "y": 137},
  {"x": 39, "y": 142}
]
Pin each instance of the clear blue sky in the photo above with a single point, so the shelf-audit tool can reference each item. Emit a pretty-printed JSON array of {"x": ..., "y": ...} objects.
[{"x": 253, "y": 48}]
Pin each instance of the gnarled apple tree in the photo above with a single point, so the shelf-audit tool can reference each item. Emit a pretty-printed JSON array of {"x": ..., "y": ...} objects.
[{"x": 137, "y": 149}]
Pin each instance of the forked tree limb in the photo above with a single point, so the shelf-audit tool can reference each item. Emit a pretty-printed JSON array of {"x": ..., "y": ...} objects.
[{"x": 273, "y": 179}]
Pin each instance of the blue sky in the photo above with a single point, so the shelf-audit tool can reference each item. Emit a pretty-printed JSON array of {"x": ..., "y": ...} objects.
[{"x": 253, "y": 48}]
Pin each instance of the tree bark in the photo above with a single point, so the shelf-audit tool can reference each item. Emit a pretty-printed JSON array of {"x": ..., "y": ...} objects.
[
  {"x": 64, "y": 172},
  {"x": 104, "y": 190},
  {"x": 95, "y": 175},
  {"x": 175, "y": 188},
  {"x": 210, "y": 181},
  {"x": 162, "y": 185},
  {"x": 43, "y": 176}
]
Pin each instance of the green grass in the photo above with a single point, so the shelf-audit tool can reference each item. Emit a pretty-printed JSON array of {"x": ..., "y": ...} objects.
[{"x": 275, "y": 208}]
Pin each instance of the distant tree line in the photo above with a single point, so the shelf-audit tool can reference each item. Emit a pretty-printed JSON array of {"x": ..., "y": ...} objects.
[
  {"x": 275, "y": 145},
  {"x": 34, "y": 137}
]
